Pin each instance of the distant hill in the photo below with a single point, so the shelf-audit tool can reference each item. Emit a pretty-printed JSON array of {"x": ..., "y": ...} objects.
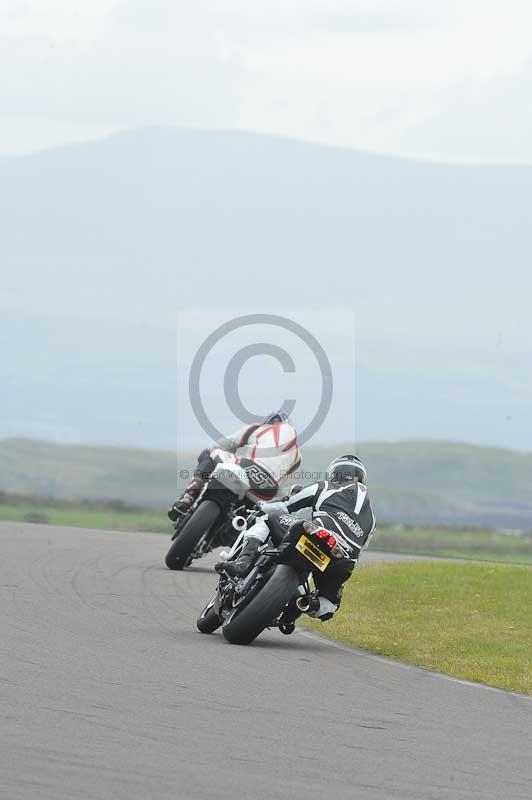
[
  {"x": 412, "y": 483},
  {"x": 103, "y": 245}
]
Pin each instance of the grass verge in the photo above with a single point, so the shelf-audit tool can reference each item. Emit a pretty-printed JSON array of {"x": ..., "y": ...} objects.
[
  {"x": 118, "y": 515},
  {"x": 472, "y": 621},
  {"x": 141, "y": 521}
]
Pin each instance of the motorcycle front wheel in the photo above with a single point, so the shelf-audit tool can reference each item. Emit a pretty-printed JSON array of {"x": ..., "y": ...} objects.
[{"x": 208, "y": 621}]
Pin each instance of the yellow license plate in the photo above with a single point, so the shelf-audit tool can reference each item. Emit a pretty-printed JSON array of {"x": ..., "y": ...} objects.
[{"x": 313, "y": 553}]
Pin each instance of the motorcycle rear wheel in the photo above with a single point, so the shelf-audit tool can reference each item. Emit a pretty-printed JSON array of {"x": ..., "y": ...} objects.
[
  {"x": 179, "y": 555},
  {"x": 244, "y": 625}
]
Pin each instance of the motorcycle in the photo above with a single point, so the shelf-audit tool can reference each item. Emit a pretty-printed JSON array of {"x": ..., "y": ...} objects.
[
  {"x": 219, "y": 514},
  {"x": 277, "y": 589}
]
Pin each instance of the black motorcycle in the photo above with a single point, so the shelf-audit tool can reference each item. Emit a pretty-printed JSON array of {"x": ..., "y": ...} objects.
[
  {"x": 276, "y": 590},
  {"x": 220, "y": 512}
]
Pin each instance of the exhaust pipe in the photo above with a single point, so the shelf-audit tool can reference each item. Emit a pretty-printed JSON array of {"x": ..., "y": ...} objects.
[
  {"x": 308, "y": 603},
  {"x": 239, "y": 524},
  {"x": 303, "y": 603}
]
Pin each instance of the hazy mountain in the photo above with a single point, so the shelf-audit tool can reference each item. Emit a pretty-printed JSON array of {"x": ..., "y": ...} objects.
[
  {"x": 411, "y": 482},
  {"x": 104, "y": 245}
]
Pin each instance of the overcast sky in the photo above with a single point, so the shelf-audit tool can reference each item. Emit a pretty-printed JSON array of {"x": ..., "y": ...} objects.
[{"x": 450, "y": 79}]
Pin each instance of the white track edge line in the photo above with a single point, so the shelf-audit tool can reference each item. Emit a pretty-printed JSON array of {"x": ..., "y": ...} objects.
[{"x": 393, "y": 663}]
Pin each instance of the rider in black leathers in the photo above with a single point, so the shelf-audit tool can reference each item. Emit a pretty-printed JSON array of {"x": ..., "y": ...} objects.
[{"x": 341, "y": 504}]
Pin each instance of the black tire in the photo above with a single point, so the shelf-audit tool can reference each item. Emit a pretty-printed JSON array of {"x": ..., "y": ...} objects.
[
  {"x": 244, "y": 625},
  {"x": 208, "y": 621},
  {"x": 201, "y": 521}
]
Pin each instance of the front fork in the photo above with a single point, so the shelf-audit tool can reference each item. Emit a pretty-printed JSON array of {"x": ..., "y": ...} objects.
[{"x": 179, "y": 524}]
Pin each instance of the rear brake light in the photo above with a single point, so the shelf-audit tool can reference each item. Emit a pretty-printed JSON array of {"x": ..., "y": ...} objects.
[{"x": 327, "y": 537}]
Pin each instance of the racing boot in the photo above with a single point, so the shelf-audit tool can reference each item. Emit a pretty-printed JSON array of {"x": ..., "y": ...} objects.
[
  {"x": 246, "y": 559},
  {"x": 190, "y": 495}
]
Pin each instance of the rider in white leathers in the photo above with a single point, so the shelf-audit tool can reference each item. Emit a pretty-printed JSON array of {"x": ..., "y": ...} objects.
[{"x": 270, "y": 444}]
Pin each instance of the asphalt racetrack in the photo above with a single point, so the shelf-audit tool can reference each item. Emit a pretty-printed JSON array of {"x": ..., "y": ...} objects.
[{"x": 108, "y": 691}]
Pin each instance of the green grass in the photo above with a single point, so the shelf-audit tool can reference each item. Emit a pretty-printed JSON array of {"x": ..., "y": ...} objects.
[
  {"x": 472, "y": 621},
  {"x": 88, "y": 518},
  {"x": 473, "y": 545}
]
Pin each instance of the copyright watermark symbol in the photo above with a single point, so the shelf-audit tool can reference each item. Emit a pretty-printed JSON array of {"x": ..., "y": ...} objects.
[{"x": 322, "y": 373}]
